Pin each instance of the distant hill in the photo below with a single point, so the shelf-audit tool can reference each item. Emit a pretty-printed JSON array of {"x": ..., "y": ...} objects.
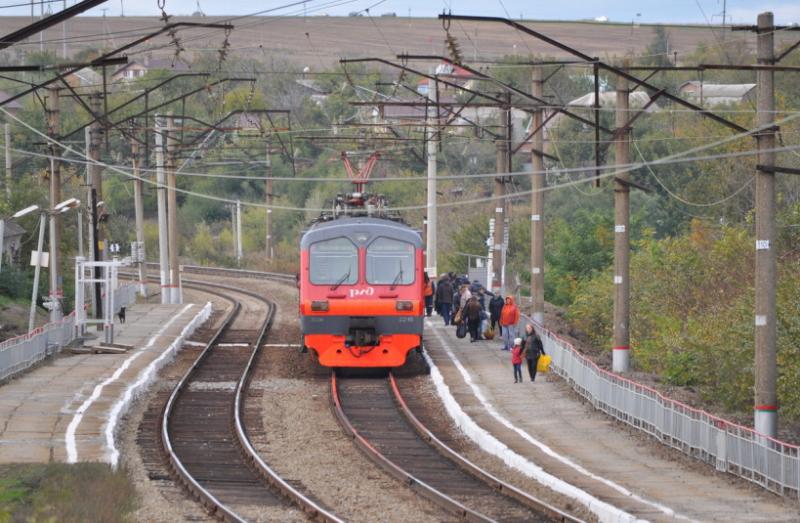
[{"x": 319, "y": 41}]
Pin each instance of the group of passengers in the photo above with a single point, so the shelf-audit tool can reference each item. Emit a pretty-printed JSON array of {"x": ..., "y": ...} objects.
[{"x": 457, "y": 300}]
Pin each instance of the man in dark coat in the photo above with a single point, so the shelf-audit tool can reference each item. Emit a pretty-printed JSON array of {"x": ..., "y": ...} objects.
[
  {"x": 444, "y": 297},
  {"x": 472, "y": 315},
  {"x": 495, "y": 307}
]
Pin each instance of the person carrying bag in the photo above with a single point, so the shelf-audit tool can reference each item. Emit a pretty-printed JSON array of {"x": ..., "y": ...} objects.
[{"x": 534, "y": 352}]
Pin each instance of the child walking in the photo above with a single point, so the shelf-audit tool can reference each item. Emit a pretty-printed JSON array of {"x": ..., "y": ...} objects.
[{"x": 516, "y": 360}]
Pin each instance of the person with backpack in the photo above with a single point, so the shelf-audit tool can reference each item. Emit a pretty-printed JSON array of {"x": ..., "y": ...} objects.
[
  {"x": 444, "y": 296},
  {"x": 533, "y": 349},
  {"x": 428, "y": 291},
  {"x": 472, "y": 315},
  {"x": 516, "y": 360},
  {"x": 509, "y": 318}
]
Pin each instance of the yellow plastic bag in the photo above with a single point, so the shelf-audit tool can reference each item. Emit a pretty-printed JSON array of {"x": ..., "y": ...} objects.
[{"x": 543, "y": 365}]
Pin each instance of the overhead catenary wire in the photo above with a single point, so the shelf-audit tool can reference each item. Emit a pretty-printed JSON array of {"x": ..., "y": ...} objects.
[
  {"x": 680, "y": 157},
  {"x": 683, "y": 200}
]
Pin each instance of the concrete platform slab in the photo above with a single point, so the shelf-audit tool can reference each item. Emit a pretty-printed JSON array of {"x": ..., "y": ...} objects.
[
  {"x": 66, "y": 410},
  {"x": 546, "y": 425}
]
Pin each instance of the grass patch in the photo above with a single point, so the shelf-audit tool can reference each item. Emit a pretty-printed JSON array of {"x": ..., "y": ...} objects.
[{"x": 84, "y": 492}]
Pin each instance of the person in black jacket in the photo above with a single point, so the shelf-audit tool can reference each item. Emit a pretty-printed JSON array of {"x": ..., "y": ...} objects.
[
  {"x": 472, "y": 315},
  {"x": 444, "y": 297},
  {"x": 534, "y": 348},
  {"x": 495, "y": 307}
]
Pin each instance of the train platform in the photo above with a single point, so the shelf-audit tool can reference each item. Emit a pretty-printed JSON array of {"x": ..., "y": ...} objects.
[
  {"x": 68, "y": 409},
  {"x": 544, "y": 430}
]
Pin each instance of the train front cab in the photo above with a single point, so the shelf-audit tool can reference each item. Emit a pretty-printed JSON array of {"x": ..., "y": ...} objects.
[{"x": 361, "y": 301}]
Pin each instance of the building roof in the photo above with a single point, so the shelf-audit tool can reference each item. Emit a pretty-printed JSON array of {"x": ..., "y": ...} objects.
[
  {"x": 13, "y": 105},
  {"x": 87, "y": 76},
  {"x": 718, "y": 90},
  {"x": 156, "y": 64},
  {"x": 609, "y": 99},
  {"x": 453, "y": 70}
]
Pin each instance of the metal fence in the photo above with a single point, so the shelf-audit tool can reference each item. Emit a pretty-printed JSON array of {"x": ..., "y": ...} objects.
[
  {"x": 22, "y": 352},
  {"x": 773, "y": 464}
]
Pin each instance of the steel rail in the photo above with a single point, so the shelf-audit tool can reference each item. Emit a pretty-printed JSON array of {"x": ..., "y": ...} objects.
[
  {"x": 206, "y": 498},
  {"x": 424, "y": 489},
  {"x": 471, "y": 468},
  {"x": 234, "y": 273},
  {"x": 308, "y": 506}
]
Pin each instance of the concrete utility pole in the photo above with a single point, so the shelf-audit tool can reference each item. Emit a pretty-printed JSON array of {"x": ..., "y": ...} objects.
[
  {"x": 138, "y": 204},
  {"x": 163, "y": 239},
  {"x": 270, "y": 252},
  {"x": 7, "y": 145},
  {"x": 621, "y": 352},
  {"x": 239, "y": 249},
  {"x": 538, "y": 182},
  {"x": 233, "y": 229},
  {"x": 97, "y": 135},
  {"x": 766, "y": 398},
  {"x": 95, "y": 194},
  {"x": 172, "y": 213},
  {"x": 53, "y": 130},
  {"x": 432, "y": 125},
  {"x": 499, "y": 211}
]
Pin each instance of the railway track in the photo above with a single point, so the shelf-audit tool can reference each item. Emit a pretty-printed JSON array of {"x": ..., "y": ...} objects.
[
  {"x": 232, "y": 273},
  {"x": 203, "y": 429},
  {"x": 375, "y": 414}
]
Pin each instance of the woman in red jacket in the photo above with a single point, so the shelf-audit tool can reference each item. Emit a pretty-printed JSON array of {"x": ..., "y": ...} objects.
[{"x": 509, "y": 317}]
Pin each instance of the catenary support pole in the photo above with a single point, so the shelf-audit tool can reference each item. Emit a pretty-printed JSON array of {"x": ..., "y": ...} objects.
[
  {"x": 269, "y": 248},
  {"x": 37, "y": 271},
  {"x": 138, "y": 204},
  {"x": 7, "y": 146},
  {"x": 91, "y": 212},
  {"x": 766, "y": 400},
  {"x": 172, "y": 213},
  {"x": 95, "y": 250},
  {"x": 621, "y": 349},
  {"x": 538, "y": 182},
  {"x": 53, "y": 130},
  {"x": 234, "y": 236},
  {"x": 499, "y": 214},
  {"x": 163, "y": 239},
  {"x": 239, "y": 249},
  {"x": 432, "y": 126}
]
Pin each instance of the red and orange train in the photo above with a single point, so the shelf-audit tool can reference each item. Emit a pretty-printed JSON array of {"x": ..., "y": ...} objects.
[{"x": 361, "y": 289}]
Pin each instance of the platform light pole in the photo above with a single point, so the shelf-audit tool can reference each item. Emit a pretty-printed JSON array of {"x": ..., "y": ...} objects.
[{"x": 59, "y": 208}]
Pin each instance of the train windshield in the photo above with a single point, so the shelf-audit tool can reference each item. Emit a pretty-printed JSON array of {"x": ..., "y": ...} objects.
[
  {"x": 333, "y": 262},
  {"x": 390, "y": 262}
]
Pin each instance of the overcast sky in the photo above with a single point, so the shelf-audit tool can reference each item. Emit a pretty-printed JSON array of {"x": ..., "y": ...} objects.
[{"x": 647, "y": 11}]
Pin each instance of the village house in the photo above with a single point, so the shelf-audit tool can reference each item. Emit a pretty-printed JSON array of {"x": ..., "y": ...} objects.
[
  {"x": 710, "y": 95},
  {"x": 138, "y": 68}
]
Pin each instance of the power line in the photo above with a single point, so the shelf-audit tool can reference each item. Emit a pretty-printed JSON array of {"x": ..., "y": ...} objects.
[{"x": 684, "y": 201}]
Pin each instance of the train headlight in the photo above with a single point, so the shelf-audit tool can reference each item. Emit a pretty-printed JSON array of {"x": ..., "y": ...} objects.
[
  {"x": 319, "y": 306},
  {"x": 405, "y": 306}
]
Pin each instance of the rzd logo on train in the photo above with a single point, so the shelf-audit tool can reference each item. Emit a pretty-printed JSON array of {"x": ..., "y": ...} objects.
[{"x": 369, "y": 291}]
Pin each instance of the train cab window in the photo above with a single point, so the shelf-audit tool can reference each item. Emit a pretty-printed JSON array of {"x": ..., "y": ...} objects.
[
  {"x": 390, "y": 262},
  {"x": 333, "y": 262}
]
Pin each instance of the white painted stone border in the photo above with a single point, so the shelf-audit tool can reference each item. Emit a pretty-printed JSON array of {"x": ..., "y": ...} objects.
[
  {"x": 605, "y": 512},
  {"x": 145, "y": 378}
]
